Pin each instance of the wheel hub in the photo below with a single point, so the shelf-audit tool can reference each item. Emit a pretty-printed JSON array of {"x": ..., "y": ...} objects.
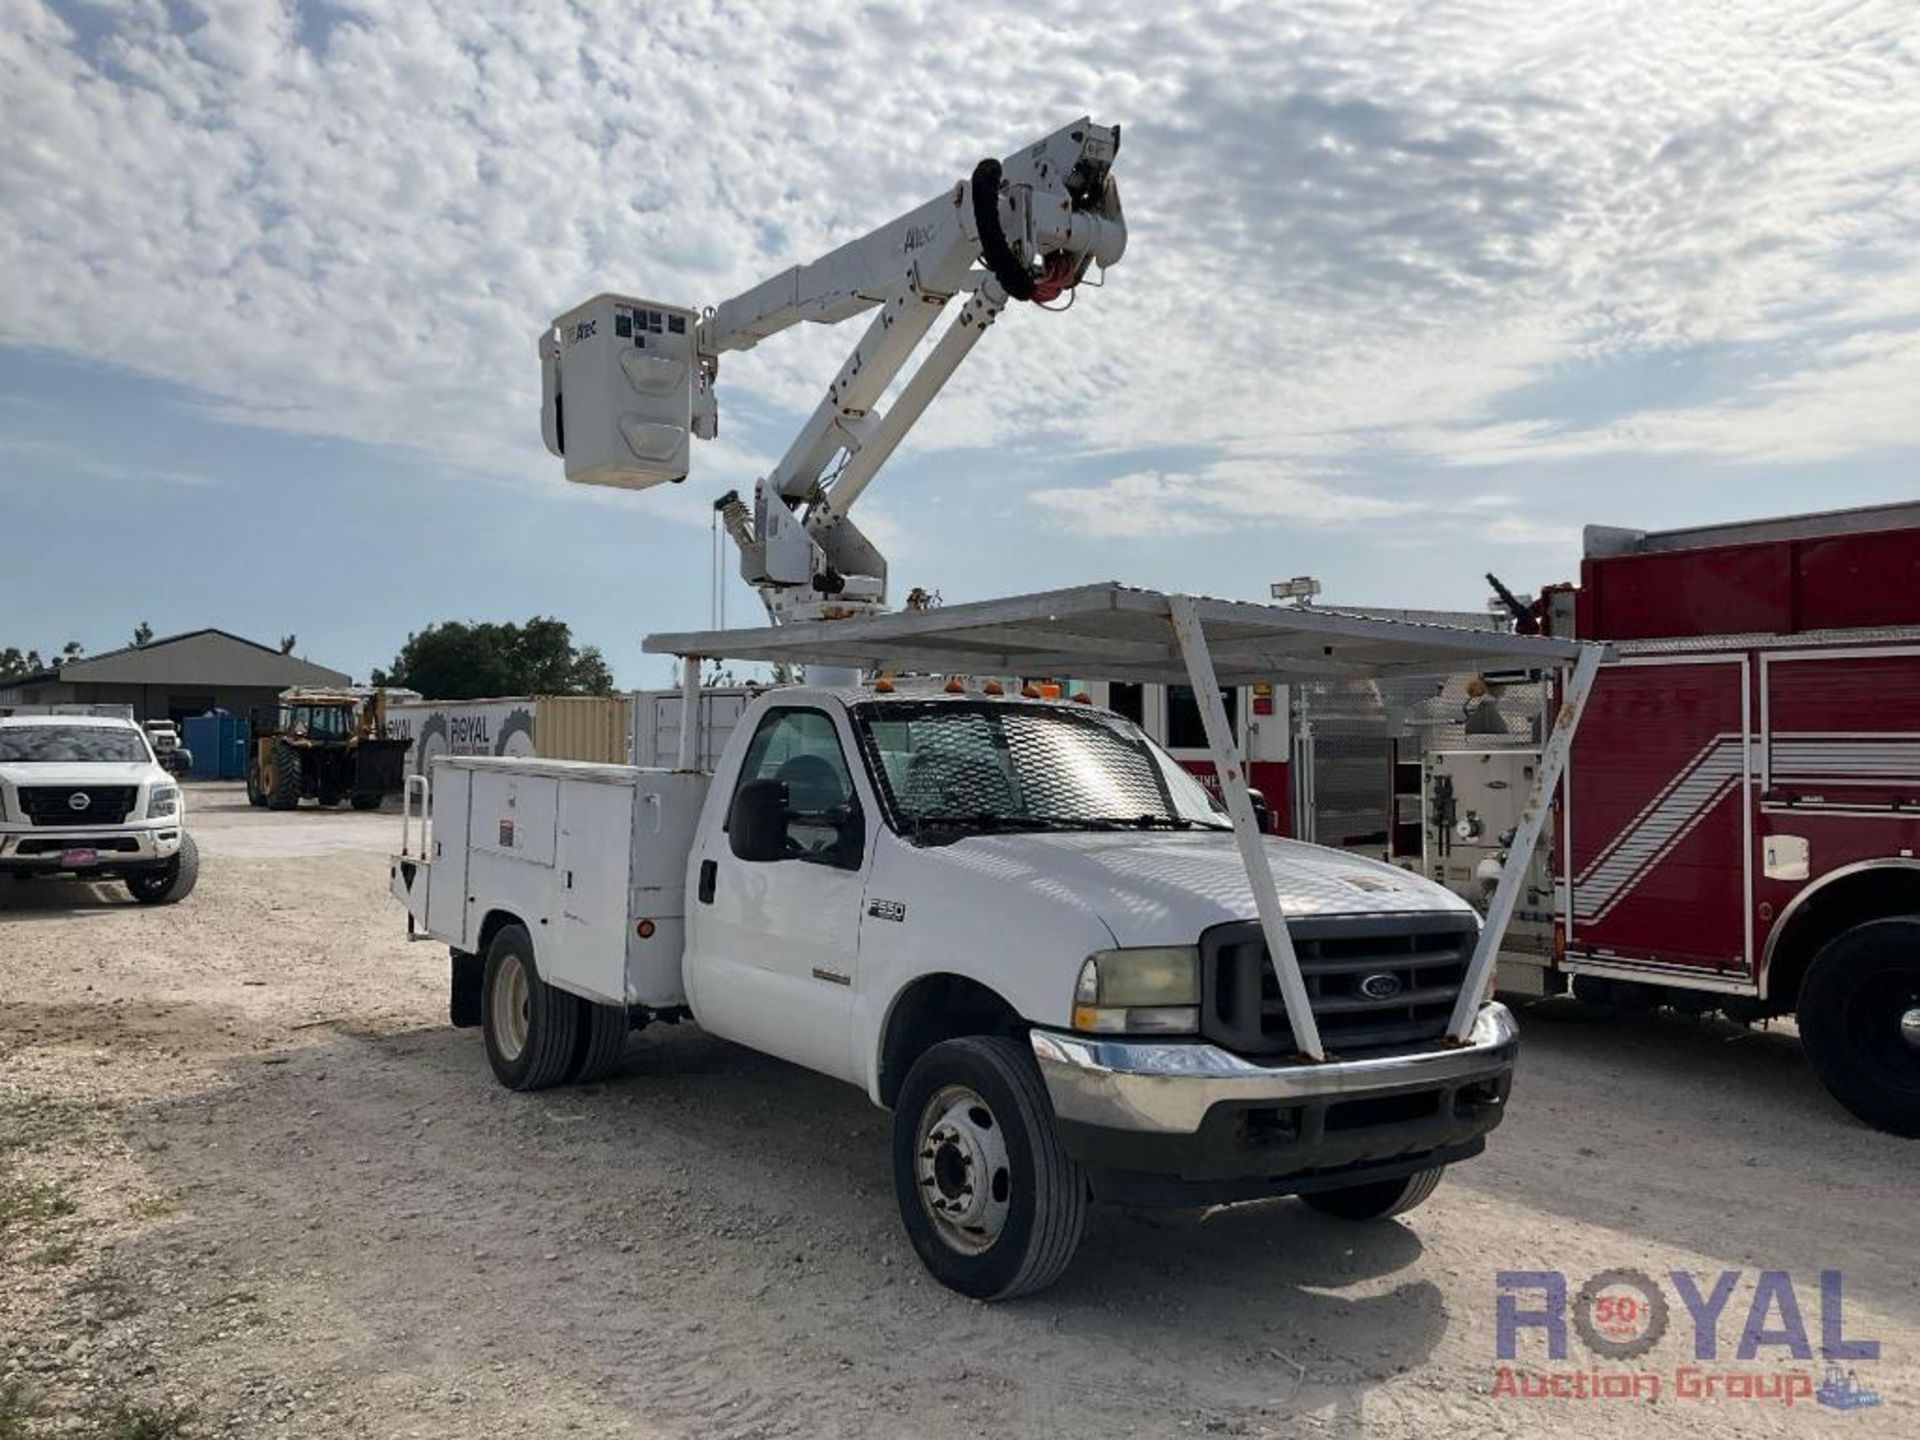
[
  {"x": 961, "y": 1165},
  {"x": 512, "y": 1000},
  {"x": 1910, "y": 1028}
]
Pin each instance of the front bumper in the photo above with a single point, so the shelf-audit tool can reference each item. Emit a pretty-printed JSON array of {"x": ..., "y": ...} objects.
[
  {"x": 1163, "y": 1122},
  {"x": 40, "y": 850}
]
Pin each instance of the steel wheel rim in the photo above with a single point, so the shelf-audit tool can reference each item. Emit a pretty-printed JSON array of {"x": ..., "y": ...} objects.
[
  {"x": 962, "y": 1171},
  {"x": 1910, "y": 1027},
  {"x": 1883, "y": 1015},
  {"x": 508, "y": 1015}
]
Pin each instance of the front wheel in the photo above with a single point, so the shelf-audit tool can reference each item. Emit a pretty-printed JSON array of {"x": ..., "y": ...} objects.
[
  {"x": 1859, "y": 1014},
  {"x": 170, "y": 883},
  {"x": 1378, "y": 1200},
  {"x": 529, "y": 1025},
  {"x": 283, "y": 779},
  {"x": 256, "y": 796},
  {"x": 991, "y": 1200},
  {"x": 366, "y": 802}
]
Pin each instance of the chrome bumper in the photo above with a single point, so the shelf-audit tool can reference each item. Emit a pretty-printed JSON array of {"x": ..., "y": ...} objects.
[
  {"x": 1167, "y": 1087},
  {"x": 151, "y": 846}
]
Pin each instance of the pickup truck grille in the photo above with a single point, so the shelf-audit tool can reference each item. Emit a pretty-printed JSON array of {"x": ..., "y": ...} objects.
[
  {"x": 1426, "y": 956},
  {"x": 53, "y": 804}
]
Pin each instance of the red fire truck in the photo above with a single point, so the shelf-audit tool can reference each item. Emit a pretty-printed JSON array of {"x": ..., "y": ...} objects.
[{"x": 1740, "y": 822}]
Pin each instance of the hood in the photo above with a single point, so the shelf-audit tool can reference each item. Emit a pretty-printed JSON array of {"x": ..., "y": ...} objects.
[
  {"x": 60, "y": 772},
  {"x": 1165, "y": 887}
]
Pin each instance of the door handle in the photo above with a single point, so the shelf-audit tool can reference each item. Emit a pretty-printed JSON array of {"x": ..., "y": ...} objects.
[{"x": 709, "y": 876}]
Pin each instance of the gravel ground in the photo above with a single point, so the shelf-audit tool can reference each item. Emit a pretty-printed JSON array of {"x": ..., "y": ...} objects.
[{"x": 248, "y": 1176}]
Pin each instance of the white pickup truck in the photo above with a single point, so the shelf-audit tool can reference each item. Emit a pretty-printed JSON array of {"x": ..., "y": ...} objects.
[
  {"x": 84, "y": 796},
  {"x": 1016, "y": 923}
]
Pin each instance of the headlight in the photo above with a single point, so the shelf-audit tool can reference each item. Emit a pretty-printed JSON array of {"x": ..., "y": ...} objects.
[
  {"x": 163, "y": 801},
  {"x": 1153, "y": 990}
]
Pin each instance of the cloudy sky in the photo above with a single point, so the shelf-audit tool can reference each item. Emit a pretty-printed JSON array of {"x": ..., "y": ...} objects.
[{"x": 1413, "y": 292}]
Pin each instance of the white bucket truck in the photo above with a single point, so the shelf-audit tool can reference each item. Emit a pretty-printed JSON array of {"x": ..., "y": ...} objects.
[{"x": 1015, "y": 922}]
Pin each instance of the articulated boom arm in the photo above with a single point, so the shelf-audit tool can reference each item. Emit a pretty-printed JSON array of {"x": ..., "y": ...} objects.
[{"x": 1032, "y": 223}]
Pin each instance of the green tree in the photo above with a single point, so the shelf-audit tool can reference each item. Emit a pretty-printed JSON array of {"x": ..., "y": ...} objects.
[
  {"x": 142, "y": 634},
  {"x": 14, "y": 663},
  {"x": 464, "y": 660}
]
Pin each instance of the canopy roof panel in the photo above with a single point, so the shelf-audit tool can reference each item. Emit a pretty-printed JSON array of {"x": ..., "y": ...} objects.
[{"x": 1116, "y": 632}]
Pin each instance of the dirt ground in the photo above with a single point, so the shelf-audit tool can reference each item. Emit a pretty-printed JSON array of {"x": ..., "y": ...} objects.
[{"x": 252, "y": 1184}]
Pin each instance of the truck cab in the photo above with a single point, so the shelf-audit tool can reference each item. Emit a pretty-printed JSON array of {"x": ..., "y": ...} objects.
[{"x": 1018, "y": 924}]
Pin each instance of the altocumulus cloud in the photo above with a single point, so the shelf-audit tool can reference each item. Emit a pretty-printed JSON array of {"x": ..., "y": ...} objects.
[{"x": 1359, "y": 230}]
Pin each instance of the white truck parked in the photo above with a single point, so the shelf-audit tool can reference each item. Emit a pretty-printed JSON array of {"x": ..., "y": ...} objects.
[
  {"x": 1014, "y": 921},
  {"x": 1018, "y": 924},
  {"x": 84, "y": 796}
]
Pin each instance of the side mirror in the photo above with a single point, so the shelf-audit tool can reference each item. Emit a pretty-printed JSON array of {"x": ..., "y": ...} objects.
[
  {"x": 1262, "y": 812},
  {"x": 757, "y": 823}
]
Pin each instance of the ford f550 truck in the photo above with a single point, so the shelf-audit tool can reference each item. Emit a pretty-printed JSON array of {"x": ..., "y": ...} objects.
[{"x": 1018, "y": 924}]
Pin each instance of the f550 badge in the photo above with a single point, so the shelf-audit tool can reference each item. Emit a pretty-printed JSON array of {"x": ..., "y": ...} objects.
[{"x": 895, "y": 910}]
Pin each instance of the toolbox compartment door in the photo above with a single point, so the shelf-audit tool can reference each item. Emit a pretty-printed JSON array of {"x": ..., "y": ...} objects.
[
  {"x": 447, "y": 876},
  {"x": 595, "y": 825}
]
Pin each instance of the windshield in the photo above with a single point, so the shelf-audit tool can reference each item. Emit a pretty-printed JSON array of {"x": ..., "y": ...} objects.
[
  {"x": 30, "y": 744},
  {"x": 327, "y": 721},
  {"x": 955, "y": 766}
]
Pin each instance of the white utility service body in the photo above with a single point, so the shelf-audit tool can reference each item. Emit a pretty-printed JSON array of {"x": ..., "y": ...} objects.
[{"x": 578, "y": 851}]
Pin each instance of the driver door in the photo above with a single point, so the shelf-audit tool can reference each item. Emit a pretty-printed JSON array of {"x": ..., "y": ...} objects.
[{"x": 774, "y": 944}]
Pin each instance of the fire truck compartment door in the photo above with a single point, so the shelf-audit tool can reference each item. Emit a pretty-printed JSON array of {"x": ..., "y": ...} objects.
[{"x": 1659, "y": 816}]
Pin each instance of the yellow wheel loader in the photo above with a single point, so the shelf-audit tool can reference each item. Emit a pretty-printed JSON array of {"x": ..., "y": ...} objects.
[{"x": 323, "y": 745}]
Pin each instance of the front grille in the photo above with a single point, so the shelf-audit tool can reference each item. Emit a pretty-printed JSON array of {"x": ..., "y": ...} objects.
[
  {"x": 53, "y": 804},
  {"x": 1427, "y": 956}
]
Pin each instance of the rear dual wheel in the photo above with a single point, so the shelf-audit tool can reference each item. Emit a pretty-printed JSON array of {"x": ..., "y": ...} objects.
[
  {"x": 1859, "y": 1014},
  {"x": 530, "y": 1027},
  {"x": 538, "y": 1035}
]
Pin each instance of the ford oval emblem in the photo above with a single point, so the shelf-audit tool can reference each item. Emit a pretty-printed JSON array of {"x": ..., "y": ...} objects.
[
  {"x": 1383, "y": 986},
  {"x": 79, "y": 800}
]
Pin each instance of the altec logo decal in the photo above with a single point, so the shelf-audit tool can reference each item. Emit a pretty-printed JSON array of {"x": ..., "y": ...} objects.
[
  {"x": 1622, "y": 1315},
  {"x": 1710, "y": 777}
]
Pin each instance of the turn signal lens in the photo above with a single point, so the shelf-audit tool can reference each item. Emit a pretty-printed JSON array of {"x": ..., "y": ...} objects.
[{"x": 1150, "y": 990}]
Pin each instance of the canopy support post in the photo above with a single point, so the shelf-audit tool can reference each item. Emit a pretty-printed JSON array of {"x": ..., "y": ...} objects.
[
  {"x": 689, "y": 756},
  {"x": 1228, "y": 766},
  {"x": 1533, "y": 822}
]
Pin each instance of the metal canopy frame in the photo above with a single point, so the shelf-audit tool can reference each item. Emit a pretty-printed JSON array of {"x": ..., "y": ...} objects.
[{"x": 1115, "y": 632}]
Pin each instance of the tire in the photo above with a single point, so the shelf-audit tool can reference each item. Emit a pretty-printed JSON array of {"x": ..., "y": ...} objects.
[
  {"x": 172, "y": 883},
  {"x": 602, "y": 1040},
  {"x": 366, "y": 802},
  {"x": 1379, "y": 1200},
  {"x": 284, "y": 792},
  {"x": 548, "y": 1018},
  {"x": 1858, "y": 990},
  {"x": 255, "y": 795},
  {"x": 1022, "y": 1235}
]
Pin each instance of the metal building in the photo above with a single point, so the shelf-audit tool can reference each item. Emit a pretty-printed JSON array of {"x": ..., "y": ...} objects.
[{"x": 173, "y": 678}]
